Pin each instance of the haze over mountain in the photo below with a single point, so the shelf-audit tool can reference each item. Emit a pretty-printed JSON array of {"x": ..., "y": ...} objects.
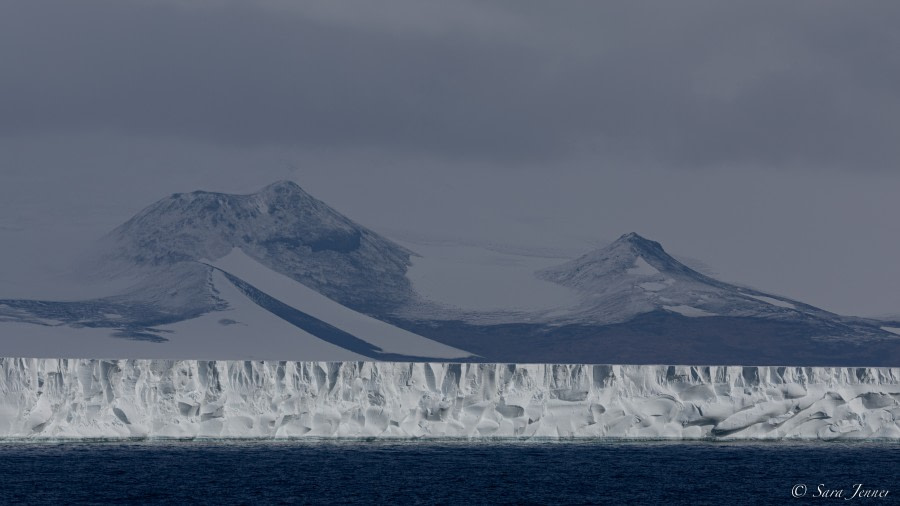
[{"x": 279, "y": 274}]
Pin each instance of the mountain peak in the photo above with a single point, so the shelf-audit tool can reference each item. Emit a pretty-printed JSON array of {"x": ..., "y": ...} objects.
[
  {"x": 631, "y": 237},
  {"x": 282, "y": 227},
  {"x": 639, "y": 245},
  {"x": 629, "y": 255},
  {"x": 282, "y": 187},
  {"x": 288, "y": 196},
  {"x": 636, "y": 239}
]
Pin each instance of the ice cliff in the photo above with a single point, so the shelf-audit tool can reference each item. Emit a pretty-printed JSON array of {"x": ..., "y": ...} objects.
[{"x": 74, "y": 398}]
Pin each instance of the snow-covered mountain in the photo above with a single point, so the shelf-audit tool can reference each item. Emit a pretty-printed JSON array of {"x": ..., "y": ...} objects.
[
  {"x": 632, "y": 302},
  {"x": 634, "y": 275},
  {"x": 278, "y": 274},
  {"x": 298, "y": 276},
  {"x": 282, "y": 227}
]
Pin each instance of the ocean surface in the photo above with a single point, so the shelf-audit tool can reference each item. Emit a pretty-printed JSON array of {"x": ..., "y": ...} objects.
[{"x": 228, "y": 472}]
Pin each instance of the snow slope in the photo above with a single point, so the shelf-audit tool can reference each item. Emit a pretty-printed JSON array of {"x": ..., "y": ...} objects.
[
  {"x": 242, "y": 331},
  {"x": 472, "y": 278},
  {"x": 47, "y": 398},
  {"x": 387, "y": 337},
  {"x": 243, "y": 327},
  {"x": 246, "y": 331}
]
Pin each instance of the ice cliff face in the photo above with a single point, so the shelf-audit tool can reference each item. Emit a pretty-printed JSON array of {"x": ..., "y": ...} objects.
[{"x": 55, "y": 398}]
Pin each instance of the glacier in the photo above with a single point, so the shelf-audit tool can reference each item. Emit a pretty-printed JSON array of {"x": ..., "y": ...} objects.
[{"x": 95, "y": 398}]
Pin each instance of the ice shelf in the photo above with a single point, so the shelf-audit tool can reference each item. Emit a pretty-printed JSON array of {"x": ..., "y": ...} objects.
[{"x": 76, "y": 398}]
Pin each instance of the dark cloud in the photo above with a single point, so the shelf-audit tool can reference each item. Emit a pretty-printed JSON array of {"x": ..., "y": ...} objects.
[{"x": 688, "y": 84}]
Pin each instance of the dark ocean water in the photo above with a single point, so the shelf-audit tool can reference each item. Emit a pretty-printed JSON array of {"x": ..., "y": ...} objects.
[{"x": 444, "y": 472}]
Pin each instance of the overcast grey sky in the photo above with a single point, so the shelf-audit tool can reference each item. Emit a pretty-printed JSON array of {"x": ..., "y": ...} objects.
[{"x": 760, "y": 137}]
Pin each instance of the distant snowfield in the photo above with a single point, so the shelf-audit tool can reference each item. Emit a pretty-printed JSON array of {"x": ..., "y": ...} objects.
[
  {"x": 893, "y": 330},
  {"x": 389, "y": 338},
  {"x": 472, "y": 278}
]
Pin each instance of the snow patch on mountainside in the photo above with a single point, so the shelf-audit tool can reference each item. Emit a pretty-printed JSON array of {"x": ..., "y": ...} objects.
[
  {"x": 655, "y": 286},
  {"x": 691, "y": 312},
  {"x": 773, "y": 301},
  {"x": 893, "y": 330}
]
